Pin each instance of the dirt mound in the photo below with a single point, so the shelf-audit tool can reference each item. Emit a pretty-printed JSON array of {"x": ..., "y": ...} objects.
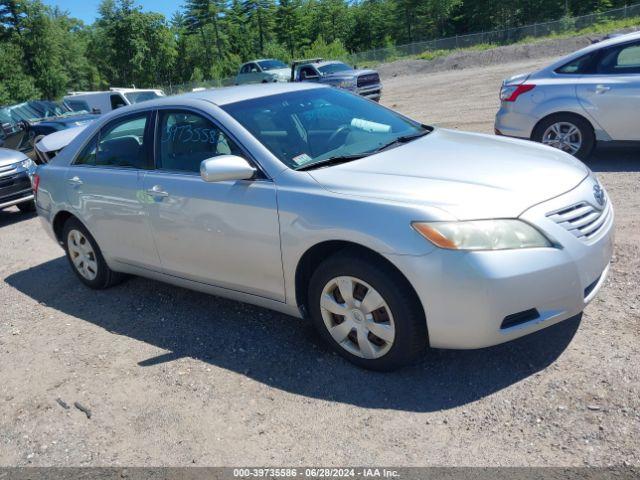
[{"x": 467, "y": 59}]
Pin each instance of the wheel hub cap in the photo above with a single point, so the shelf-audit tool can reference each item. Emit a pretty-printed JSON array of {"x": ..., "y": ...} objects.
[
  {"x": 82, "y": 255},
  {"x": 357, "y": 317},
  {"x": 564, "y": 136}
]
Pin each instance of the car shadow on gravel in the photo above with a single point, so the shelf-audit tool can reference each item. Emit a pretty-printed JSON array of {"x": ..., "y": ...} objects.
[
  {"x": 614, "y": 159},
  {"x": 281, "y": 351},
  {"x": 13, "y": 215}
]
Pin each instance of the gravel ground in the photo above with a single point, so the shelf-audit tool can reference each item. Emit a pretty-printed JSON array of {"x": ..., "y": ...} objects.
[{"x": 173, "y": 377}]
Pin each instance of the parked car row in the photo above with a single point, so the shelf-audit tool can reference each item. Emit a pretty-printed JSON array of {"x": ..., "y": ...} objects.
[
  {"x": 22, "y": 126},
  {"x": 336, "y": 74}
]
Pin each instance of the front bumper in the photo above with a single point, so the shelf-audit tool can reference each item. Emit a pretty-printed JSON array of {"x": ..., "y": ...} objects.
[
  {"x": 15, "y": 188},
  {"x": 372, "y": 92},
  {"x": 468, "y": 295}
]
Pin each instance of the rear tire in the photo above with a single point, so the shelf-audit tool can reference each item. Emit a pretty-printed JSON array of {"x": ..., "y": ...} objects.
[
  {"x": 27, "y": 207},
  {"x": 382, "y": 303},
  {"x": 554, "y": 130},
  {"x": 85, "y": 257}
]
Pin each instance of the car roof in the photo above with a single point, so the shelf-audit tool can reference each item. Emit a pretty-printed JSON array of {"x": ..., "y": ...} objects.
[
  {"x": 329, "y": 62},
  {"x": 227, "y": 95},
  {"x": 628, "y": 37},
  {"x": 113, "y": 90},
  {"x": 262, "y": 60}
]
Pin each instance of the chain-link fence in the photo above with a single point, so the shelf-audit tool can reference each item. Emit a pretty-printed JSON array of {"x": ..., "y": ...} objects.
[{"x": 496, "y": 37}]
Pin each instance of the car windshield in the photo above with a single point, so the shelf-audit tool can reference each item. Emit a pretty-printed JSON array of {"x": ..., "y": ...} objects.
[
  {"x": 34, "y": 110},
  {"x": 305, "y": 127},
  {"x": 142, "y": 96},
  {"x": 334, "y": 68},
  {"x": 271, "y": 64}
]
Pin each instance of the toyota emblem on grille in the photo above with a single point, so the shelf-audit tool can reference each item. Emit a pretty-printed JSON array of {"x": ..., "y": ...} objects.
[{"x": 598, "y": 194}]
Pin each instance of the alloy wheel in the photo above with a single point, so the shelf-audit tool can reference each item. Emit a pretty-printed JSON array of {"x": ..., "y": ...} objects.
[
  {"x": 564, "y": 136},
  {"x": 357, "y": 317},
  {"x": 82, "y": 255}
]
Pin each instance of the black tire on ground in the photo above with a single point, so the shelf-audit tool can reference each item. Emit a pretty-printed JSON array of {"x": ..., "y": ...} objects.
[
  {"x": 27, "y": 207},
  {"x": 586, "y": 130},
  {"x": 410, "y": 340},
  {"x": 105, "y": 277}
]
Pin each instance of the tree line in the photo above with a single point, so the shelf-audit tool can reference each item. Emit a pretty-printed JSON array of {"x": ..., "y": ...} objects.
[{"x": 45, "y": 52}]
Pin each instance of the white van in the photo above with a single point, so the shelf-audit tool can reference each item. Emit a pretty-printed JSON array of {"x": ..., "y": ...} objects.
[{"x": 104, "y": 102}]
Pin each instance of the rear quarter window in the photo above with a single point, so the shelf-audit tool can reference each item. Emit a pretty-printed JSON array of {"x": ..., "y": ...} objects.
[{"x": 579, "y": 66}]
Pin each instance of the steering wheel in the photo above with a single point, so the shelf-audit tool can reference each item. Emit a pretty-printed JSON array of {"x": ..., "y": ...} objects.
[{"x": 342, "y": 130}]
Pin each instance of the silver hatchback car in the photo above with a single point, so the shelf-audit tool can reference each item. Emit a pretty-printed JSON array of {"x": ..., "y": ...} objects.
[
  {"x": 390, "y": 235},
  {"x": 590, "y": 96}
]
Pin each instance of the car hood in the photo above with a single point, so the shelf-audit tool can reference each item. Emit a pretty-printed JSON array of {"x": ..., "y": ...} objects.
[
  {"x": 9, "y": 157},
  {"x": 58, "y": 140},
  {"x": 69, "y": 120},
  {"x": 280, "y": 72},
  {"x": 470, "y": 176}
]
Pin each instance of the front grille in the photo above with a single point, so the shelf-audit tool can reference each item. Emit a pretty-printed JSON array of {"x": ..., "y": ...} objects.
[
  {"x": 7, "y": 170},
  {"x": 15, "y": 183},
  {"x": 368, "y": 79},
  {"x": 583, "y": 220}
]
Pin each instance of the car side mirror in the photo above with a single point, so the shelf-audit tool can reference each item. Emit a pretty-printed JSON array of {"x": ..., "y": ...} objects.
[
  {"x": 226, "y": 167},
  {"x": 96, "y": 111}
]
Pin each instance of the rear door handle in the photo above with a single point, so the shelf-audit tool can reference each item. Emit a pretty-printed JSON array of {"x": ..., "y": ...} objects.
[
  {"x": 602, "y": 89},
  {"x": 157, "y": 191},
  {"x": 75, "y": 180}
]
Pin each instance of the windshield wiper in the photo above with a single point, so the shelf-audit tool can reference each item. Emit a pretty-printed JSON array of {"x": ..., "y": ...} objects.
[
  {"x": 331, "y": 161},
  {"x": 402, "y": 139}
]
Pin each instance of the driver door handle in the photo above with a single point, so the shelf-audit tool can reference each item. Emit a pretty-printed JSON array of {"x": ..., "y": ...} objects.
[
  {"x": 157, "y": 191},
  {"x": 602, "y": 89},
  {"x": 75, "y": 180}
]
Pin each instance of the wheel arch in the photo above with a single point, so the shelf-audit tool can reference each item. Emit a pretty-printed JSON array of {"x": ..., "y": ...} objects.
[
  {"x": 59, "y": 220},
  {"x": 558, "y": 113},
  {"x": 313, "y": 257}
]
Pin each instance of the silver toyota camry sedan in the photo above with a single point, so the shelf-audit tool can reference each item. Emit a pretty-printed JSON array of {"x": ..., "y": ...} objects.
[
  {"x": 590, "y": 96},
  {"x": 388, "y": 234}
]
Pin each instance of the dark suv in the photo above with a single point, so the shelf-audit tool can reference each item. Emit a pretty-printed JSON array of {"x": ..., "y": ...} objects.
[{"x": 22, "y": 125}]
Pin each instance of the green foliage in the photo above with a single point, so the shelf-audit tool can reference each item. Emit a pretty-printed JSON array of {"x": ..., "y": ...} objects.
[
  {"x": 321, "y": 49},
  {"x": 44, "y": 52}
]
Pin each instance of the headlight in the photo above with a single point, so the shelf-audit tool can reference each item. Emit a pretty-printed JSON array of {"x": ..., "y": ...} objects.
[
  {"x": 482, "y": 235},
  {"x": 348, "y": 84},
  {"x": 26, "y": 164}
]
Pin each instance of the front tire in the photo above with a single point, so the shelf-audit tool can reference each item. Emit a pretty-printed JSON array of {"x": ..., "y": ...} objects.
[
  {"x": 85, "y": 257},
  {"x": 567, "y": 132},
  {"x": 367, "y": 311}
]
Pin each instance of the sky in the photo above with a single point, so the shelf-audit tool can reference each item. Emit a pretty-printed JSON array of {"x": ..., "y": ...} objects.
[{"x": 87, "y": 10}]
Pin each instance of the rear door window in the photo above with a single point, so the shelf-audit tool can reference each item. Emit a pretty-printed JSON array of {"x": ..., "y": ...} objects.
[
  {"x": 120, "y": 144},
  {"x": 580, "y": 66}
]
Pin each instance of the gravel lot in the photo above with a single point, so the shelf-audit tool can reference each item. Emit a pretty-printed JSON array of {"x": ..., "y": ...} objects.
[{"x": 173, "y": 377}]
